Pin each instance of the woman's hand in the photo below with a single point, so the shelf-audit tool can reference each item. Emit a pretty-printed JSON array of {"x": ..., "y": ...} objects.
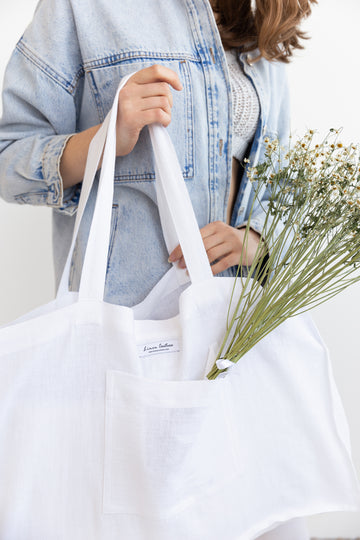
[
  {"x": 224, "y": 245},
  {"x": 145, "y": 99}
]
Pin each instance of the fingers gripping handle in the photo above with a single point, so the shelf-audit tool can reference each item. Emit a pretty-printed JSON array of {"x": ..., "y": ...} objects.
[
  {"x": 96, "y": 149},
  {"x": 175, "y": 207}
]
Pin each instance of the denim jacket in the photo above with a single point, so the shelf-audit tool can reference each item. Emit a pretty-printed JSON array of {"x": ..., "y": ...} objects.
[{"x": 62, "y": 78}]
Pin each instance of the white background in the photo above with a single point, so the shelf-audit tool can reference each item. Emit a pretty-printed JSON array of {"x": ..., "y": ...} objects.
[{"x": 324, "y": 81}]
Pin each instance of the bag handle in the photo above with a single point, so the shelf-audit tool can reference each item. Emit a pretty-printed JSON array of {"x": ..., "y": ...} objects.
[{"x": 177, "y": 215}]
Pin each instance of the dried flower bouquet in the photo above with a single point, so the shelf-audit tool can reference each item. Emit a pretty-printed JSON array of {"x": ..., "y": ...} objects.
[{"x": 314, "y": 191}]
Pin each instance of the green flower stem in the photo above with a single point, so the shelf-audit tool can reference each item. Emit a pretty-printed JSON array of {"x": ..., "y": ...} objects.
[{"x": 315, "y": 198}]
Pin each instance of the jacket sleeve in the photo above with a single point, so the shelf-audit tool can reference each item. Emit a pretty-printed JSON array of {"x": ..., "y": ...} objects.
[
  {"x": 40, "y": 101},
  {"x": 274, "y": 123}
]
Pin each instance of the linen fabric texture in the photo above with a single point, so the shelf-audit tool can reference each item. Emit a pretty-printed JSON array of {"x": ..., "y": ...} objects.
[{"x": 109, "y": 427}]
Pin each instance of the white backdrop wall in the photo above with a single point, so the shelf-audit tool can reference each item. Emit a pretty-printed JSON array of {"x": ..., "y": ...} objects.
[{"x": 324, "y": 82}]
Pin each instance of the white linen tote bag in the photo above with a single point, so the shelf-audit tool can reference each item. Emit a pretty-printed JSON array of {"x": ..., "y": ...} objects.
[{"x": 109, "y": 428}]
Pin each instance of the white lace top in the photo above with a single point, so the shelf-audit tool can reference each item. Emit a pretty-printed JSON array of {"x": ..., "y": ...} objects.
[{"x": 246, "y": 108}]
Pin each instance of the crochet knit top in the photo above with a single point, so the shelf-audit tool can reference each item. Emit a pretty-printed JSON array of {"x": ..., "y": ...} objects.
[
  {"x": 246, "y": 111},
  {"x": 246, "y": 107}
]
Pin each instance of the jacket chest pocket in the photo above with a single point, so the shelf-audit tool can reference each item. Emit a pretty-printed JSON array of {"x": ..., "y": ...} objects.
[{"x": 104, "y": 77}]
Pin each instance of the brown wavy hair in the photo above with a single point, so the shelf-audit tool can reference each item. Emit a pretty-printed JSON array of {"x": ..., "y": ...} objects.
[{"x": 272, "y": 26}]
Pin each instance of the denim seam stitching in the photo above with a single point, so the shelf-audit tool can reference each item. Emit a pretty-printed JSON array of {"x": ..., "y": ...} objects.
[
  {"x": 25, "y": 197},
  {"x": 114, "y": 226},
  {"x": 208, "y": 78},
  {"x": 54, "y": 198},
  {"x": 114, "y": 59},
  {"x": 68, "y": 86},
  {"x": 189, "y": 139},
  {"x": 121, "y": 179},
  {"x": 95, "y": 94},
  {"x": 130, "y": 176}
]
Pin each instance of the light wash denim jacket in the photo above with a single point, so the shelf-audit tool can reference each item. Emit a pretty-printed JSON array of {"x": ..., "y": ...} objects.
[{"x": 62, "y": 78}]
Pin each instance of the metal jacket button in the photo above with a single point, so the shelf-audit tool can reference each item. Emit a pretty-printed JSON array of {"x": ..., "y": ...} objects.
[{"x": 249, "y": 60}]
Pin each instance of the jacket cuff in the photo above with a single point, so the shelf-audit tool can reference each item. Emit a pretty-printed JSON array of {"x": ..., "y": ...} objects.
[
  {"x": 63, "y": 201},
  {"x": 257, "y": 223}
]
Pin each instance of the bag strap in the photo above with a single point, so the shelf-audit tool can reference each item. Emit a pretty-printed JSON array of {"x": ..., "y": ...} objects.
[
  {"x": 177, "y": 215},
  {"x": 93, "y": 160}
]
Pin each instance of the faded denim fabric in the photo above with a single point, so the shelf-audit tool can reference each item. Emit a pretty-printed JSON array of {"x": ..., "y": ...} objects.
[{"x": 62, "y": 78}]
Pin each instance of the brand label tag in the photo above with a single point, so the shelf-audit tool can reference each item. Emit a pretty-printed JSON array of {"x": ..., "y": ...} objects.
[{"x": 154, "y": 348}]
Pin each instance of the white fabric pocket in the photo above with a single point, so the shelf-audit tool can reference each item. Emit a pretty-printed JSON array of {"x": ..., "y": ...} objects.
[{"x": 167, "y": 443}]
